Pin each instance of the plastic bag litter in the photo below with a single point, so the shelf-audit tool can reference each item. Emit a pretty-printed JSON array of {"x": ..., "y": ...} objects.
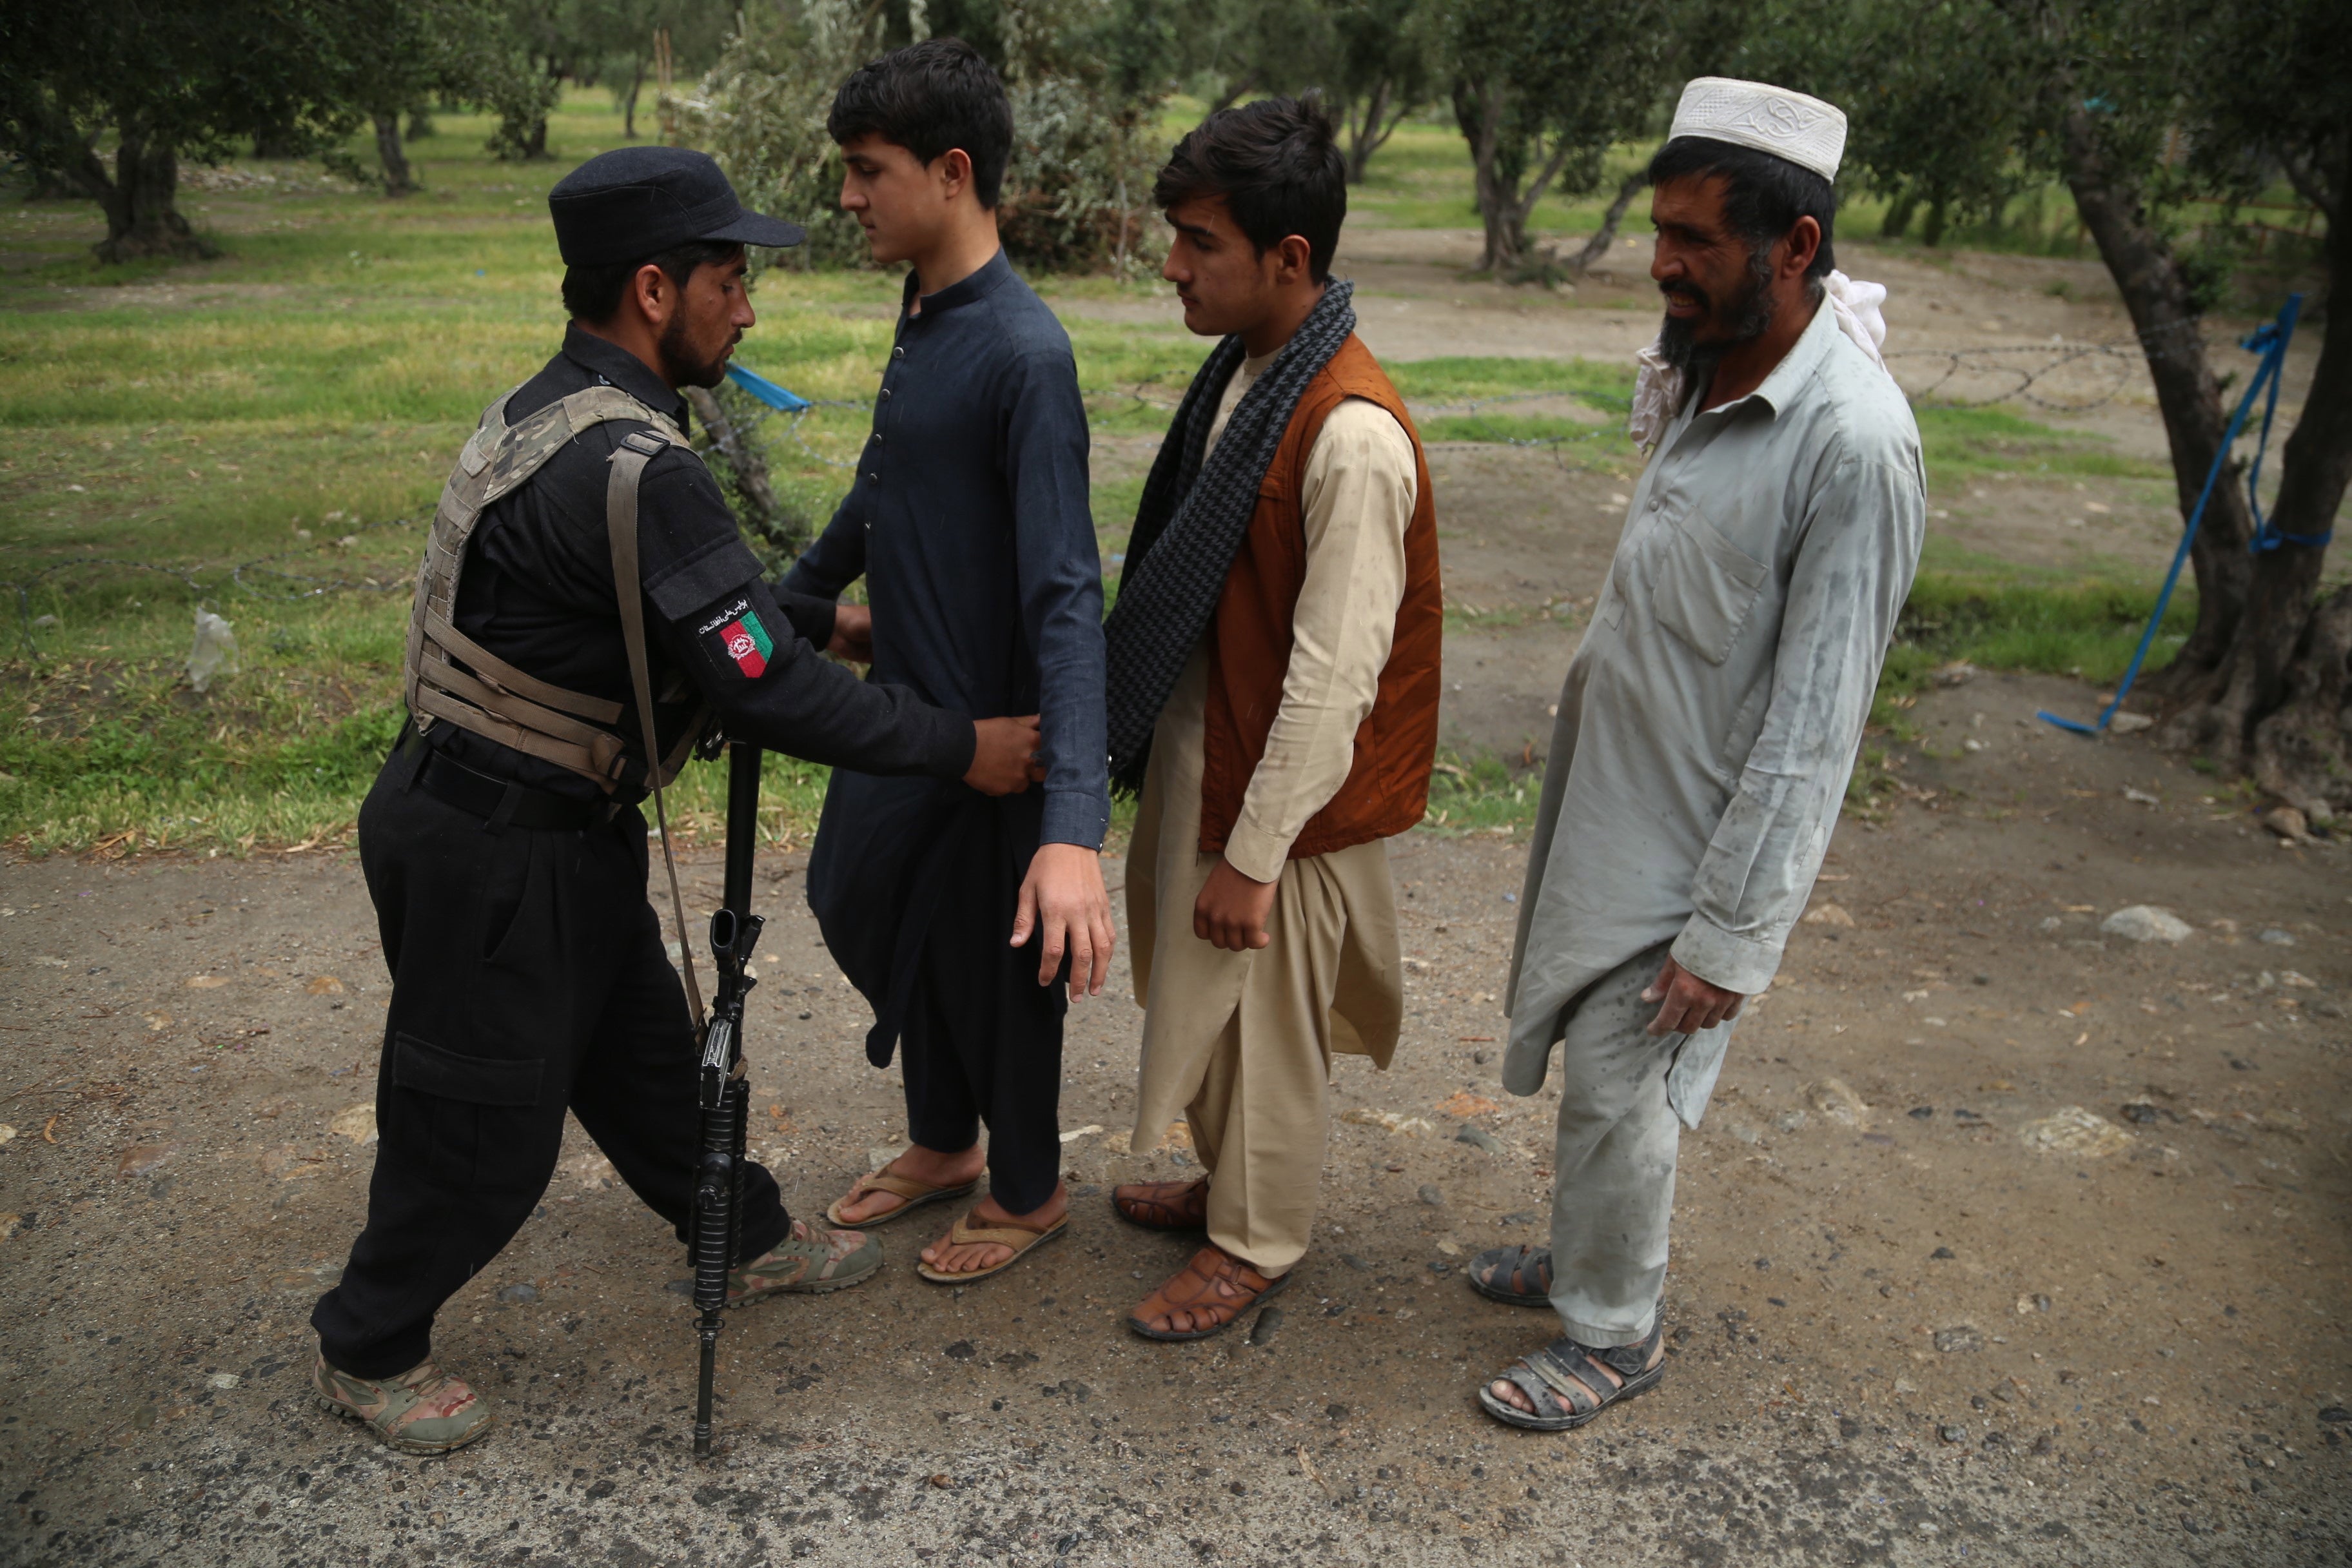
[{"x": 215, "y": 652}]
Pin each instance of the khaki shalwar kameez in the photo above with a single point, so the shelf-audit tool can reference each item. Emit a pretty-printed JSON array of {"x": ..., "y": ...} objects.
[{"x": 1241, "y": 1043}]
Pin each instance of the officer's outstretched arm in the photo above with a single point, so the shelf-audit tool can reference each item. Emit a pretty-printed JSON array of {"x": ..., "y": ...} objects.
[{"x": 772, "y": 689}]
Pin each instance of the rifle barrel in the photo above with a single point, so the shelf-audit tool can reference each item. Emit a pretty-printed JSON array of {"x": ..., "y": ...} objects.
[{"x": 742, "y": 823}]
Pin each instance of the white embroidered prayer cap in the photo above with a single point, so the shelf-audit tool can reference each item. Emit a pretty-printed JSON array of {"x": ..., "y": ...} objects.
[{"x": 1805, "y": 131}]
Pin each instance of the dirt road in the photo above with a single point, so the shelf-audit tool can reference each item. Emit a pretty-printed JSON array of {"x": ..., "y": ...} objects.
[
  {"x": 1936, "y": 1314},
  {"x": 2006, "y": 1238}
]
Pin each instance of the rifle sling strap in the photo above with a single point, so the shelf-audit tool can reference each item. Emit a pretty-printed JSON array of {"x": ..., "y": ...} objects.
[{"x": 621, "y": 521}]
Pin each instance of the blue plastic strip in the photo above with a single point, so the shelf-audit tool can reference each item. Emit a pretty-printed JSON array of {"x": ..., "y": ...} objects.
[
  {"x": 2268, "y": 341},
  {"x": 766, "y": 391},
  {"x": 2267, "y": 535}
]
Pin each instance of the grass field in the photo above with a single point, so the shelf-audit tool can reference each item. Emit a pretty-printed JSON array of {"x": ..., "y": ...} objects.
[{"x": 263, "y": 435}]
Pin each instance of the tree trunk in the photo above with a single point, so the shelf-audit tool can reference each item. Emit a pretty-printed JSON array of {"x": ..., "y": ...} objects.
[
  {"x": 1232, "y": 91},
  {"x": 744, "y": 475},
  {"x": 2294, "y": 657},
  {"x": 398, "y": 180},
  {"x": 629, "y": 104},
  {"x": 141, "y": 219},
  {"x": 1898, "y": 215},
  {"x": 420, "y": 125},
  {"x": 2261, "y": 684},
  {"x": 1478, "y": 109},
  {"x": 2302, "y": 753},
  {"x": 2166, "y": 320},
  {"x": 1932, "y": 234},
  {"x": 1598, "y": 246},
  {"x": 1365, "y": 134}
]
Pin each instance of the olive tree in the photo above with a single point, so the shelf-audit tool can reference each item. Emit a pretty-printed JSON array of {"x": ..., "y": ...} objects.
[
  {"x": 2163, "y": 117},
  {"x": 2151, "y": 104},
  {"x": 1077, "y": 185},
  {"x": 1543, "y": 88},
  {"x": 106, "y": 101}
]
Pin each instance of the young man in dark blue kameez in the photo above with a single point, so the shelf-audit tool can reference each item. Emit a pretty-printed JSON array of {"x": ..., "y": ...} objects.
[{"x": 969, "y": 519}]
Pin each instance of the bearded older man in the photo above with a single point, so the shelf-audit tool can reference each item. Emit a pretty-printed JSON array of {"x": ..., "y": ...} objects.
[{"x": 1709, "y": 720}]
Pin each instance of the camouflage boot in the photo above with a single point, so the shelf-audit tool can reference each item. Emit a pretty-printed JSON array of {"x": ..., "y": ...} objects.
[
  {"x": 422, "y": 1411},
  {"x": 809, "y": 1261}
]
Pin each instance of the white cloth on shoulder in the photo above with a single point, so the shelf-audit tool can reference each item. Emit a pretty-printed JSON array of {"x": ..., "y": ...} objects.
[{"x": 1658, "y": 386}]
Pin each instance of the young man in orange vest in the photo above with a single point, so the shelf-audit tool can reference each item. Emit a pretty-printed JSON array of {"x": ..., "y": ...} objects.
[{"x": 1274, "y": 689}]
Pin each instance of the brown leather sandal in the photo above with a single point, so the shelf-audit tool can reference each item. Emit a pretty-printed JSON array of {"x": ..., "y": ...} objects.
[
  {"x": 913, "y": 1195},
  {"x": 1163, "y": 1205},
  {"x": 1214, "y": 1290}
]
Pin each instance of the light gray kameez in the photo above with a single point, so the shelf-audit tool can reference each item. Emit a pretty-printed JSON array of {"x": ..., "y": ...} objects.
[{"x": 1706, "y": 730}]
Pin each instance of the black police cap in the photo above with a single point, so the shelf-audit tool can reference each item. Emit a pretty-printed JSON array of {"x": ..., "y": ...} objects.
[{"x": 633, "y": 202}]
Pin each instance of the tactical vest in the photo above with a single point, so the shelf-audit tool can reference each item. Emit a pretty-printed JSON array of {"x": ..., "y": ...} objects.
[{"x": 488, "y": 695}]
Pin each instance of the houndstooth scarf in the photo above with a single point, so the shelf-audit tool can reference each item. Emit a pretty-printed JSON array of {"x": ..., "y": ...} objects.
[{"x": 1191, "y": 520}]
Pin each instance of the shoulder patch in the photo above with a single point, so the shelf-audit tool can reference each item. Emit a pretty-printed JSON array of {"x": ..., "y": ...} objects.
[{"x": 736, "y": 634}]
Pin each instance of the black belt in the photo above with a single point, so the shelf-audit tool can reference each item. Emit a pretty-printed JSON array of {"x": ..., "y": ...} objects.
[{"x": 501, "y": 803}]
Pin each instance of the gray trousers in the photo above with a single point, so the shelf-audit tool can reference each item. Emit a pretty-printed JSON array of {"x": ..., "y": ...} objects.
[{"x": 1624, "y": 1094}]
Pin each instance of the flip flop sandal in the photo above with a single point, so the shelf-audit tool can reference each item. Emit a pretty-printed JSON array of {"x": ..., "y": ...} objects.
[
  {"x": 1495, "y": 1272},
  {"x": 1019, "y": 1237},
  {"x": 915, "y": 1194},
  {"x": 1565, "y": 1383}
]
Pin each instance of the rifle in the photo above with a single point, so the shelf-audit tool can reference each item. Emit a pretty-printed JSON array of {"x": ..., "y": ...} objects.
[{"x": 717, "y": 1231}]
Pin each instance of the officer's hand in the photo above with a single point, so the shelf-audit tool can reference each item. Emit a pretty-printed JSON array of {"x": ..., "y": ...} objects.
[
  {"x": 1006, "y": 752},
  {"x": 1062, "y": 898},
  {"x": 852, "y": 633},
  {"x": 1688, "y": 1002},
  {"x": 1231, "y": 910}
]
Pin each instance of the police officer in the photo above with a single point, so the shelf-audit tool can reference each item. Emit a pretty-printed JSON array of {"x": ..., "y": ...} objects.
[{"x": 584, "y": 592}]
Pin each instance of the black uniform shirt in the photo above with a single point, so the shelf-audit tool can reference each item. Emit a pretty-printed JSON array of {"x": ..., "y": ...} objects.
[
  {"x": 970, "y": 523},
  {"x": 537, "y": 591}
]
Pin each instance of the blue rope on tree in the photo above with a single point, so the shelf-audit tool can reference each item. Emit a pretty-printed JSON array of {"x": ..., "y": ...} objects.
[
  {"x": 2268, "y": 343},
  {"x": 767, "y": 391},
  {"x": 2267, "y": 535}
]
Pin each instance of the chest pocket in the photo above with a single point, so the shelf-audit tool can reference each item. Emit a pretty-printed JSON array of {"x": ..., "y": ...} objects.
[{"x": 1706, "y": 587}]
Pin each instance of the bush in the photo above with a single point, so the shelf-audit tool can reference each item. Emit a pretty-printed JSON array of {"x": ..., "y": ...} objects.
[{"x": 1076, "y": 191}]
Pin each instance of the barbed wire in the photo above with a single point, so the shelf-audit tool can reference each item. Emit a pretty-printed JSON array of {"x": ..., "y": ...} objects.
[
  {"x": 795, "y": 420},
  {"x": 2011, "y": 367}
]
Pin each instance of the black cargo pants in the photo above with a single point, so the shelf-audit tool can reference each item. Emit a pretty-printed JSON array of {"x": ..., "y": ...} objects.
[{"x": 529, "y": 977}]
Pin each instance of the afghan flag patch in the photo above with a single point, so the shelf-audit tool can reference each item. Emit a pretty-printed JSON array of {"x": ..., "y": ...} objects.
[{"x": 747, "y": 643}]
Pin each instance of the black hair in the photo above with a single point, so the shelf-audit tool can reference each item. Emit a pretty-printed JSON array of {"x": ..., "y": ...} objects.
[
  {"x": 594, "y": 293},
  {"x": 1277, "y": 165},
  {"x": 929, "y": 98},
  {"x": 1763, "y": 195}
]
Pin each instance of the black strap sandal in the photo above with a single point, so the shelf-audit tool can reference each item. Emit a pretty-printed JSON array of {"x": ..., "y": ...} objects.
[
  {"x": 1565, "y": 1383},
  {"x": 1514, "y": 1276}
]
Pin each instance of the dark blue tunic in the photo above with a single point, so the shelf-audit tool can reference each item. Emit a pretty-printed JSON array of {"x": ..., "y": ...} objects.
[{"x": 969, "y": 521}]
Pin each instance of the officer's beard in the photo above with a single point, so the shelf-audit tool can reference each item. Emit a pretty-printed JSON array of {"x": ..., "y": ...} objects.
[
  {"x": 682, "y": 365},
  {"x": 1749, "y": 314}
]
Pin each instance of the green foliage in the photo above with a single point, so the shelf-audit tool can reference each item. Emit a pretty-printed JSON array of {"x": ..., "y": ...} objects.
[
  {"x": 1972, "y": 443},
  {"x": 165, "y": 82},
  {"x": 1384, "y": 68},
  {"x": 1519, "y": 430},
  {"x": 1932, "y": 99},
  {"x": 1480, "y": 793},
  {"x": 1542, "y": 90},
  {"x": 1076, "y": 190},
  {"x": 1459, "y": 379},
  {"x": 2086, "y": 629}
]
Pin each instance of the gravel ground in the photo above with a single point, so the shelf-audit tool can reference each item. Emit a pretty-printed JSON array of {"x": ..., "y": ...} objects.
[
  {"x": 2006, "y": 1239},
  {"x": 1913, "y": 1319}
]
